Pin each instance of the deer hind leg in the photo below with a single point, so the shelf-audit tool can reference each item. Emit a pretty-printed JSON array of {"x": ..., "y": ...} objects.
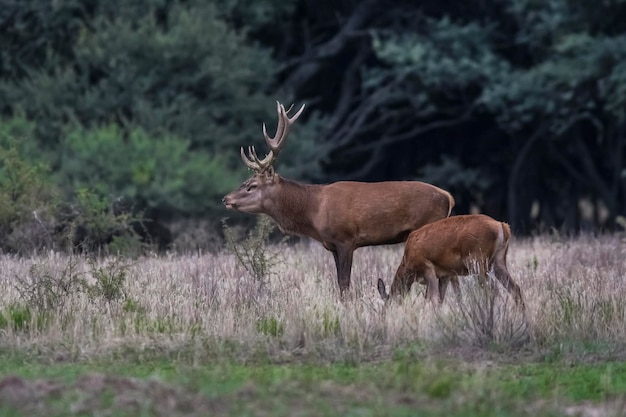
[
  {"x": 502, "y": 274},
  {"x": 432, "y": 285}
]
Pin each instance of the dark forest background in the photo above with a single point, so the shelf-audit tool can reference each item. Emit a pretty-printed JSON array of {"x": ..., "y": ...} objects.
[{"x": 121, "y": 118}]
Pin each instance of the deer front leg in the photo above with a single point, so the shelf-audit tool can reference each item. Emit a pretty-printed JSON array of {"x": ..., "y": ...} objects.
[
  {"x": 443, "y": 286},
  {"x": 343, "y": 262}
]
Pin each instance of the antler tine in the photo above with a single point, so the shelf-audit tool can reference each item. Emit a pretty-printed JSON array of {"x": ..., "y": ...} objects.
[
  {"x": 288, "y": 122},
  {"x": 250, "y": 164},
  {"x": 279, "y": 129},
  {"x": 284, "y": 123},
  {"x": 253, "y": 162},
  {"x": 263, "y": 163}
]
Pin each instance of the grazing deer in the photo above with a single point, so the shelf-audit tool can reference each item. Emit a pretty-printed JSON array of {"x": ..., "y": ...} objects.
[
  {"x": 459, "y": 245},
  {"x": 344, "y": 215}
]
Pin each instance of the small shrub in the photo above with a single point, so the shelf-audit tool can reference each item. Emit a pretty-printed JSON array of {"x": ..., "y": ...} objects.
[
  {"x": 46, "y": 290},
  {"x": 252, "y": 252},
  {"x": 484, "y": 318},
  {"x": 94, "y": 225},
  {"x": 110, "y": 282}
]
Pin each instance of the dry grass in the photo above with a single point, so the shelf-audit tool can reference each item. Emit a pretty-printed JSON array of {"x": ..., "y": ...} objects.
[{"x": 206, "y": 305}]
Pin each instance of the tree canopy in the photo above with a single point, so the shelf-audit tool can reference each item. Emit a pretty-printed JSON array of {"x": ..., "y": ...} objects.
[{"x": 518, "y": 107}]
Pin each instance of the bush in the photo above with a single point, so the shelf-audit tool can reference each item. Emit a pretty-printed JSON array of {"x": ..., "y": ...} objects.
[
  {"x": 46, "y": 290},
  {"x": 161, "y": 174},
  {"x": 252, "y": 252},
  {"x": 110, "y": 282},
  {"x": 49, "y": 291},
  {"x": 482, "y": 317},
  {"x": 29, "y": 202}
]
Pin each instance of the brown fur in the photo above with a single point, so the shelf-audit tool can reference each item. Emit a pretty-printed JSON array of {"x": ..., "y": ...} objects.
[
  {"x": 438, "y": 252},
  {"x": 344, "y": 215}
]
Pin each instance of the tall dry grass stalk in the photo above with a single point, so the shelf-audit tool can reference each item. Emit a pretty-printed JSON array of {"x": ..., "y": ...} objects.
[{"x": 206, "y": 305}]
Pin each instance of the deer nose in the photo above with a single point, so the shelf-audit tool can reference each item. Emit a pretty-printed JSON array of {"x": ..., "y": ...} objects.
[{"x": 227, "y": 203}]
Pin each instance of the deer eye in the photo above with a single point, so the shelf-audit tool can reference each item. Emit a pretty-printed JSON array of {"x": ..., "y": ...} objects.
[{"x": 251, "y": 187}]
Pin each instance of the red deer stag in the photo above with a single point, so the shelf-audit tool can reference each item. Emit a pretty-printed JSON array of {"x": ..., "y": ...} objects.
[
  {"x": 438, "y": 252},
  {"x": 344, "y": 215}
]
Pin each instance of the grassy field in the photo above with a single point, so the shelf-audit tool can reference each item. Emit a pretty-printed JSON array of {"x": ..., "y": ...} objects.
[{"x": 197, "y": 334}]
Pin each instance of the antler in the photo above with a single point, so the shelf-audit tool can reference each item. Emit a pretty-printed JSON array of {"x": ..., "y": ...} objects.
[{"x": 275, "y": 143}]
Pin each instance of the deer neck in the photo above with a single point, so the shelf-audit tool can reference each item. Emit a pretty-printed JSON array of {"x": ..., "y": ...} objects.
[{"x": 292, "y": 205}]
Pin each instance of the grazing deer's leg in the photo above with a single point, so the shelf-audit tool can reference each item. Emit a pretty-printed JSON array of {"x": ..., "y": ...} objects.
[
  {"x": 455, "y": 284},
  {"x": 343, "y": 262},
  {"x": 502, "y": 275},
  {"x": 432, "y": 289},
  {"x": 443, "y": 285}
]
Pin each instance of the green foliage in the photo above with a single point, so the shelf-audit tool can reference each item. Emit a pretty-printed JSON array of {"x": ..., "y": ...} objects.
[
  {"x": 20, "y": 184},
  {"x": 28, "y": 199},
  {"x": 93, "y": 225},
  {"x": 529, "y": 95},
  {"x": 256, "y": 14},
  {"x": 466, "y": 184},
  {"x": 148, "y": 100},
  {"x": 46, "y": 290},
  {"x": 252, "y": 253},
  {"x": 109, "y": 282},
  {"x": 36, "y": 28},
  {"x": 158, "y": 173},
  {"x": 559, "y": 79},
  {"x": 177, "y": 68},
  {"x": 449, "y": 56}
]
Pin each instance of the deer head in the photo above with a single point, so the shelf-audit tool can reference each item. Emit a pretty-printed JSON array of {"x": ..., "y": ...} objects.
[{"x": 254, "y": 193}]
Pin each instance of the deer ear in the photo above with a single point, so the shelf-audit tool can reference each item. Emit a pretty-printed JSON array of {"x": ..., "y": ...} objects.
[
  {"x": 269, "y": 172},
  {"x": 382, "y": 290}
]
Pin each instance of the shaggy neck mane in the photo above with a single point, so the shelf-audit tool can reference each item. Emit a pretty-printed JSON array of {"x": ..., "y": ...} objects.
[{"x": 297, "y": 202}]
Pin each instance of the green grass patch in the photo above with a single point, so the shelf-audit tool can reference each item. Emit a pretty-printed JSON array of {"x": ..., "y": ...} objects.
[
  {"x": 397, "y": 387},
  {"x": 576, "y": 382}
]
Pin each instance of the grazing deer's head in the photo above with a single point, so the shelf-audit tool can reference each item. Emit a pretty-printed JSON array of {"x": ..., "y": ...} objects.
[{"x": 252, "y": 195}]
